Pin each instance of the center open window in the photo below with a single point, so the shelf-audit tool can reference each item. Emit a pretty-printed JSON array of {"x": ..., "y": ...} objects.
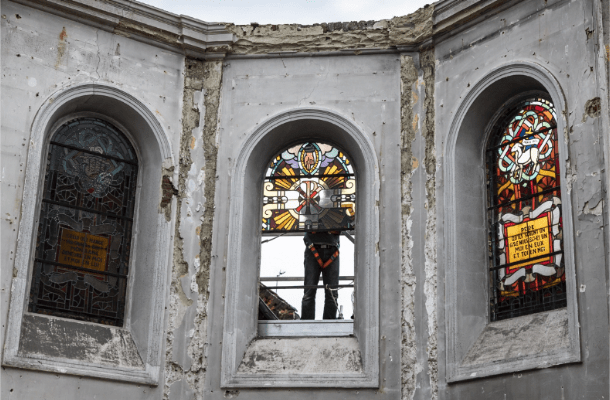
[{"x": 307, "y": 245}]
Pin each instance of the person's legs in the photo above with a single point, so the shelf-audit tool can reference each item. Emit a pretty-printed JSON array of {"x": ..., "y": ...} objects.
[
  {"x": 330, "y": 277},
  {"x": 312, "y": 277}
]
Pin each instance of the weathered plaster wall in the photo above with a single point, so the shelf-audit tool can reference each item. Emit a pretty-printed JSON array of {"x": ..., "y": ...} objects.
[
  {"x": 409, "y": 123},
  {"x": 419, "y": 275},
  {"x": 193, "y": 180},
  {"x": 41, "y": 55},
  {"x": 555, "y": 35},
  {"x": 187, "y": 339},
  {"x": 367, "y": 91}
]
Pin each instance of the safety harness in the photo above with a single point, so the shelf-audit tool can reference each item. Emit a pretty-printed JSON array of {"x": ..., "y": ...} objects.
[{"x": 322, "y": 264}]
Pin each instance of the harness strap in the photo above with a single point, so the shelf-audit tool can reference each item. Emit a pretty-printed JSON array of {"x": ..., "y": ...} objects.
[{"x": 322, "y": 264}]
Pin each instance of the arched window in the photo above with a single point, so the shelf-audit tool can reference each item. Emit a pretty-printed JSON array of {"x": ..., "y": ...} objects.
[
  {"x": 525, "y": 211},
  {"x": 309, "y": 194},
  {"x": 86, "y": 217}
]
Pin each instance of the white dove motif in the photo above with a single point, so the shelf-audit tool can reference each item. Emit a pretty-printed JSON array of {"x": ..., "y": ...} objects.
[{"x": 523, "y": 159}]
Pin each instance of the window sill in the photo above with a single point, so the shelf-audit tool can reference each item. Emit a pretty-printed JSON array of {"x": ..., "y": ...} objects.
[
  {"x": 334, "y": 362},
  {"x": 532, "y": 341},
  {"x": 102, "y": 351},
  {"x": 301, "y": 328}
]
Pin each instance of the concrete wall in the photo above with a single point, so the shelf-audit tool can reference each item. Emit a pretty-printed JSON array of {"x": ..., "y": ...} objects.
[
  {"x": 401, "y": 81},
  {"x": 365, "y": 91},
  {"x": 555, "y": 35},
  {"x": 43, "y": 54}
]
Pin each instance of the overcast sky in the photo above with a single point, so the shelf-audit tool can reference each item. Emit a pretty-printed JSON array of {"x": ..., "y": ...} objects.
[
  {"x": 284, "y": 257},
  {"x": 304, "y": 12}
]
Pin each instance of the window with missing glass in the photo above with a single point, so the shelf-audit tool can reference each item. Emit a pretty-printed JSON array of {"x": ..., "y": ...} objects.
[
  {"x": 525, "y": 212},
  {"x": 308, "y": 221},
  {"x": 86, "y": 218}
]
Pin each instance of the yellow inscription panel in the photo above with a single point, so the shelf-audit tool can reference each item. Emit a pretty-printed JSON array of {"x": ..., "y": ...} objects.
[
  {"x": 528, "y": 239},
  {"x": 80, "y": 249}
]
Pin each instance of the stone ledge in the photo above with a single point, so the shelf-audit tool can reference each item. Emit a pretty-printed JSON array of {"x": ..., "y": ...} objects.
[
  {"x": 316, "y": 356},
  {"x": 516, "y": 338},
  {"x": 179, "y": 33},
  {"x": 106, "y": 352},
  {"x": 49, "y": 337},
  {"x": 533, "y": 341}
]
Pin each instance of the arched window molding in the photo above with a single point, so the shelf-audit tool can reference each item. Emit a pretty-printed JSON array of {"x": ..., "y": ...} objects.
[
  {"x": 243, "y": 252},
  {"x": 469, "y": 332},
  {"x": 140, "y": 339}
]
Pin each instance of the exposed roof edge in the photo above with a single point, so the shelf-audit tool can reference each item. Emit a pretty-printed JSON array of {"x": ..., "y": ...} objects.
[
  {"x": 179, "y": 33},
  {"x": 205, "y": 40}
]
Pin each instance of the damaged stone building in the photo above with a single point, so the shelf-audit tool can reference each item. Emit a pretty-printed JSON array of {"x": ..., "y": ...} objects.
[{"x": 136, "y": 150}]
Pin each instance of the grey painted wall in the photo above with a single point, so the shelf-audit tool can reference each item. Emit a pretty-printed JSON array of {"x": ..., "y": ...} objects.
[
  {"x": 43, "y": 54},
  {"x": 366, "y": 91},
  {"x": 553, "y": 35}
]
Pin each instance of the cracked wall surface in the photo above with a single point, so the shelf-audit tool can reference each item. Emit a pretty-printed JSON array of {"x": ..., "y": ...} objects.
[
  {"x": 409, "y": 365},
  {"x": 419, "y": 285},
  {"x": 187, "y": 341},
  {"x": 42, "y": 55},
  {"x": 427, "y": 60}
]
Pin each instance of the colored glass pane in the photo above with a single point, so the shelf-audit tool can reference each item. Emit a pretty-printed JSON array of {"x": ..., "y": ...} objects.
[
  {"x": 526, "y": 247},
  {"x": 309, "y": 187},
  {"x": 84, "y": 234}
]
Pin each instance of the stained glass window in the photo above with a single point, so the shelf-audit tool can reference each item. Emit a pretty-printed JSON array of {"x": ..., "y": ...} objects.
[
  {"x": 309, "y": 187},
  {"x": 84, "y": 234},
  {"x": 525, "y": 212}
]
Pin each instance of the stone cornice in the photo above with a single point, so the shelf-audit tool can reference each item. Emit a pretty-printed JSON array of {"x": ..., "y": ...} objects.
[
  {"x": 451, "y": 14},
  {"x": 203, "y": 40},
  {"x": 179, "y": 33}
]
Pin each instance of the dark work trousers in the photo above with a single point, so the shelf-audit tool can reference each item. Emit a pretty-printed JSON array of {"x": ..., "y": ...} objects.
[{"x": 330, "y": 277}]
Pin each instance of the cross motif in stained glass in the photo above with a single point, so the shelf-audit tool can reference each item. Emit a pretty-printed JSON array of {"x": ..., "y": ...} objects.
[{"x": 309, "y": 187}]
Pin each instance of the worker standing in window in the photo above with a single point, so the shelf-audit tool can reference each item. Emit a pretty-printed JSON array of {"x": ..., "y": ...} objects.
[{"x": 321, "y": 256}]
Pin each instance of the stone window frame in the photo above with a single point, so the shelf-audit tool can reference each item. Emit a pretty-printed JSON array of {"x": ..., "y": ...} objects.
[
  {"x": 475, "y": 346},
  {"x": 143, "y": 331},
  {"x": 241, "y": 292}
]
